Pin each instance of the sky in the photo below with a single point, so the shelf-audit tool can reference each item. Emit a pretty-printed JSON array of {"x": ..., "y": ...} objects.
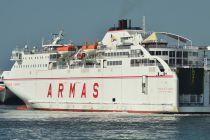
[{"x": 29, "y": 21}]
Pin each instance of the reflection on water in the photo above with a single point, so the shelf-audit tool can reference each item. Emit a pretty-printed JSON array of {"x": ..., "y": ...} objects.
[{"x": 30, "y": 124}]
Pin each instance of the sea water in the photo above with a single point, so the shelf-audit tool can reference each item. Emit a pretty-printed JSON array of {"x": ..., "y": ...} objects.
[{"x": 57, "y": 125}]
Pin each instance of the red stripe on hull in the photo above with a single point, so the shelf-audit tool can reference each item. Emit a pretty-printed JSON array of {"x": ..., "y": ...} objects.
[
  {"x": 105, "y": 77},
  {"x": 92, "y": 110}
]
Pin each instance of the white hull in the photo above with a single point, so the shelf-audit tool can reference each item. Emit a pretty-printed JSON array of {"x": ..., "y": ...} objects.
[{"x": 107, "y": 90}]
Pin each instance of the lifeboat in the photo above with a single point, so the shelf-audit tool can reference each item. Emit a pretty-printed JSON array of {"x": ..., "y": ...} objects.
[
  {"x": 2, "y": 88},
  {"x": 90, "y": 47},
  {"x": 87, "y": 50},
  {"x": 65, "y": 49}
]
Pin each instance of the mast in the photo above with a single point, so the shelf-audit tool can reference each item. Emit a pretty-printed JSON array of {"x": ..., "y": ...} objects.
[{"x": 144, "y": 25}]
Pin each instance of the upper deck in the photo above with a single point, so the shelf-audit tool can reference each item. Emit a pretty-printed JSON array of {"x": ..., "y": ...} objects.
[{"x": 120, "y": 44}]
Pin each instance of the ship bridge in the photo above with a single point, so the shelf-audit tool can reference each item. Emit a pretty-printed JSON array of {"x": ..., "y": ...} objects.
[{"x": 123, "y": 34}]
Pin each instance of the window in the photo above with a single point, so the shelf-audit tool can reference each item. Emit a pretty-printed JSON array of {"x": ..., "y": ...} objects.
[
  {"x": 195, "y": 53},
  {"x": 114, "y": 63},
  {"x": 165, "y": 52},
  {"x": 158, "y": 52},
  {"x": 136, "y": 62},
  {"x": 178, "y": 54},
  {"x": 179, "y": 61},
  {"x": 185, "y": 62},
  {"x": 185, "y": 54},
  {"x": 171, "y": 61},
  {"x": 152, "y": 52},
  {"x": 172, "y": 54},
  {"x": 190, "y": 53}
]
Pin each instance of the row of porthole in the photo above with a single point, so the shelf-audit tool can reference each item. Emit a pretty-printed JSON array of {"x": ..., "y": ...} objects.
[
  {"x": 30, "y": 66},
  {"x": 116, "y": 53},
  {"x": 30, "y": 58}
]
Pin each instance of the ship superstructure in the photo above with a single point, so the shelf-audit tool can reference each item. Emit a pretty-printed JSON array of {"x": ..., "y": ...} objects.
[{"x": 123, "y": 72}]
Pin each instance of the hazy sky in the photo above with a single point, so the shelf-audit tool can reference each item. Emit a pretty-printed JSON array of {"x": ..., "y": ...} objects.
[{"x": 28, "y": 21}]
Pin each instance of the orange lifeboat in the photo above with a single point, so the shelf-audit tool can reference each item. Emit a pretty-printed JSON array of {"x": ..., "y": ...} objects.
[
  {"x": 65, "y": 48},
  {"x": 89, "y": 47}
]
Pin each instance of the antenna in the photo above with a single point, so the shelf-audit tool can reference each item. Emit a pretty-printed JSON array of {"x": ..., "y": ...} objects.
[
  {"x": 42, "y": 42},
  {"x": 143, "y": 24}
]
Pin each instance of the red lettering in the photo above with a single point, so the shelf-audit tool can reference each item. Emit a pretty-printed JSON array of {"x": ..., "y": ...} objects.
[
  {"x": 60, "y": 90},
  {"x": 95, "y": 89},
  {"x": 83, "y": 91},
  {"x": 72, "y": 90},
  {"x": 49, "y": 91}
]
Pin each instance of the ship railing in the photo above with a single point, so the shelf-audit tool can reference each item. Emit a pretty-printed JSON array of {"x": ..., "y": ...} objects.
[
  {"x": 190, "y": 100},
  {"x": 84, "y": 66},
  {"x": 38, "y": 51},
  {"x": 88, "y": 66},
  {"x": 62, "y": 66},
  {"x": 144, "y": 62},
  {"x": 135, "y": 55},
  {"x": 181, "y": 46},
  {"x": 200, "y": 65},
  {"x": 74, "y": 66}
]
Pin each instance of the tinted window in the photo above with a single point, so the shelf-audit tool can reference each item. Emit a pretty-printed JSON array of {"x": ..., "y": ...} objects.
[
  {"x": 165, "y": 52},
  {"x": 185, "y": 54},
  {"x": 172, "y": 54},
  {"x": 179, "y": 54}
]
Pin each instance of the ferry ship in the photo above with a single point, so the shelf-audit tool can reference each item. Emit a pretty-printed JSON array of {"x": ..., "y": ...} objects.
[{"x": 129, "y": 70}]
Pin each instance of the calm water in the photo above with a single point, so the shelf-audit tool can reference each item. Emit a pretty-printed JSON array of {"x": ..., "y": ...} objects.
[{"x": 19, "y": 124}]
